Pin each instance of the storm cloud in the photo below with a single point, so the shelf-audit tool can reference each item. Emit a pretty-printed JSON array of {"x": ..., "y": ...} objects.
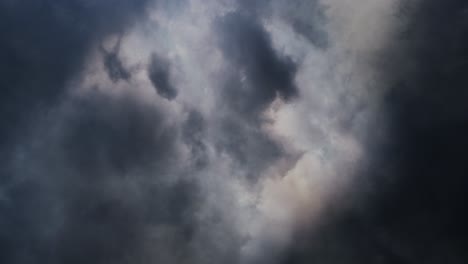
[
  {"x": 412, "y": 194},
  {"x": 233, "y": 131}
]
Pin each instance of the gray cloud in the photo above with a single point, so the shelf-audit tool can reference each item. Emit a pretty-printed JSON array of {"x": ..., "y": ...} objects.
[
  {"x": 306, "y": 17},
  {"x": 159, "y": 74},
  {"x": 249, "y": 137},
  {"x": 257, "y": 75},
  {"x": 97, "y": 181},
  {"x": 410, "y": 194},
  {"x": 56, "y": 208},
  {"x": 100, "y": 170},
  {"x": 309, "y": 31},
  {"x": 193, "y": 133},
  {"x": 44, "y": 44},
  {"x": 114, "y": 65},
  {"x": 261, "y": 73}
]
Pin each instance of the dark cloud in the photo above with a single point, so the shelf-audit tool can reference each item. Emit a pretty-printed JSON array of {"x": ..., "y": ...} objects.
[
  {"x": 125, "y": 135},
  {"x": 115, "y": 68},
  {"x": 412, "y": 205},
  {"x": 114, "y": 65},
  {"x": 82, "y": 180},
  {"x": 99, "y": 228},
  {"x": 258, "y": 74},
  {"x": 100, "y": 180},
  {"x": 105, "y": 178},
  {"x": 261, "y": 73},
  {"x": 193, "y": 133},
  {"x": 344, "y": 238},
  {"x": 159, "y": 73},
  {"x": 44, "y": 44},
  {"x": 429, "y": 120},
  {"x": 306, "y": 17},
  {"x": 248, "y": 144}
]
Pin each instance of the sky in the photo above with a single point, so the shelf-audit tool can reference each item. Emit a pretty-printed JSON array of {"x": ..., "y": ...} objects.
[{"x": 233, "y": 131}]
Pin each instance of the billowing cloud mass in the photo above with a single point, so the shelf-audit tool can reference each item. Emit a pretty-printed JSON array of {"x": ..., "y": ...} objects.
[{"x": 234, "y": 131}]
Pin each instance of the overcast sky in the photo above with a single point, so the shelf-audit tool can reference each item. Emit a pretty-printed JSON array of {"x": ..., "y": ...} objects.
[{"x": 233, "y": 131}]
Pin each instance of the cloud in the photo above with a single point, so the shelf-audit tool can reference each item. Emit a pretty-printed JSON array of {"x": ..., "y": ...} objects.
[
  {"x": 117, "y": 173},
  {"x": 113, "y": 64},
  {"x": 427, "y": 116},
  {"x": 159, "y": 74},
  {"x": 182, "y": 162},
  {"x": 45, "y": 44},
  {"x": 232, "y": 131},
  {"x": 406, "y": 205},
  {"x": 262, "y": 73},
  {"x": 99, "y": 176}
]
